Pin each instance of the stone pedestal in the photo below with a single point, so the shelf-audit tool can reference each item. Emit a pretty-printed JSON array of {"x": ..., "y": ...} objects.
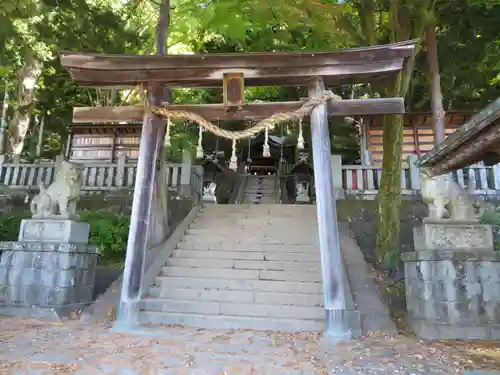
[
  {"x": 302, "y": 199},
  {"x": 209, "y": 193},
  {"x": 444, "y": 235},
  {"x": 453, "y": 282},
  {"x": 208, "y": 198},
  {"x": 49, "y": 273},
  {"x": 54, "y": 231}
]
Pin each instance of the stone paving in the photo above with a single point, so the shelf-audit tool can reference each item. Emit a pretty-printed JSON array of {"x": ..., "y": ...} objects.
[{"x": 34, "y": 347}]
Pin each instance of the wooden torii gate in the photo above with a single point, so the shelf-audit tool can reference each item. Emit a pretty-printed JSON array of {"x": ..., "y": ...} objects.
[{"x": 233, "y": 71}]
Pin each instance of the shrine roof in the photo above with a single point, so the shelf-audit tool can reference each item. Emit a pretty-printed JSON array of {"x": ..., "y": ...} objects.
[
  {"x": 355, "y": 65},
  {"x": 475, "y": 141}
]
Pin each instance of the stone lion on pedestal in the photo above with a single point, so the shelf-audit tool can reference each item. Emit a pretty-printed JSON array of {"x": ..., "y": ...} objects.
[
  {"x": 447, "y": 200},
  {"x": 61, "y": 196},
  {"x": 302, "y": 190},
  {"x": 209, "y": 192}
]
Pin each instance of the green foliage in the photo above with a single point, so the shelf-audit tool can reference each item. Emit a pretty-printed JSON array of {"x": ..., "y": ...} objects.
[
  {"x": 10, "y": 224},
  {"x": 110, "y": 232},
  {"x": 107, "y": 230},
  {"x": 492, "y": 217}
]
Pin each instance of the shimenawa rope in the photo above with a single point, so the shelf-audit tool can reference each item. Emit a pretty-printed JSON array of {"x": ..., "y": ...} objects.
[
  {"x": 269, "y": 122},
  {"x": 265, "y": 124}
]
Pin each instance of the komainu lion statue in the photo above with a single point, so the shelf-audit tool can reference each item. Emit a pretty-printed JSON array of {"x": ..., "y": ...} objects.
[
  {"x": 447, "y": 200},
  {"x": 302, "y": 190},
  {"x": 61, "y": 195},
  {"x": 209, "y": 192}
]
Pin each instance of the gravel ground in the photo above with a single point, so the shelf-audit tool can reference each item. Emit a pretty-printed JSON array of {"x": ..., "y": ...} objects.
[{"x": 34, "y": 347}]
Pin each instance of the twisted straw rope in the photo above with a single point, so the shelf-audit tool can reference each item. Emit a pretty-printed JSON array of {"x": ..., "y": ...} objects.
[{"x": 269, "y": 122}]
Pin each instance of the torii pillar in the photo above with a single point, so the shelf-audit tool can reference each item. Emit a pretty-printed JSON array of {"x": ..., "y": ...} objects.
[
  {"x": 337, "y": 317},
  {"x": 152, "y": 135}
]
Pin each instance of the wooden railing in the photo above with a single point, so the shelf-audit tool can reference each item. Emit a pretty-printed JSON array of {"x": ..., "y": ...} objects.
[
  {"x": 365, "y": 180},
  {"x": 96, "y": 177},
  {"x": 359, "y": 180}
]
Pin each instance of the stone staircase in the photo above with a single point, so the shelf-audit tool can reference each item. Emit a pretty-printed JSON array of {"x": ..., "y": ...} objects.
[
  {"x": 242, "y": 267},
  {"x": 261, "y": 190}
]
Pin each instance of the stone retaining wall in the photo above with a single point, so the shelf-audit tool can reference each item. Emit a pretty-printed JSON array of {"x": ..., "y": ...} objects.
[{"x": 453, "y": 294}]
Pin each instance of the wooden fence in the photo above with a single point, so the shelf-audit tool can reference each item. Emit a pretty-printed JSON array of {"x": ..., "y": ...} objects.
[
  {"x": 359, "y": 180},
  {"x": 365, "y": 180},
  {"x": 96, "y": 176}
]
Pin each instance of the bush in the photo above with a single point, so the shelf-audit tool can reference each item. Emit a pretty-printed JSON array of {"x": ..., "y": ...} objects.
[
  {"x": 109, "y": 231},
  {"x": 9, "y": 225},
  {"x": 492, "y": 217}
]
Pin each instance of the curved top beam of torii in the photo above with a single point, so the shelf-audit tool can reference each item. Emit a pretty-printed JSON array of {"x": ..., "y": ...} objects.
[{"x": 355, "y": 65}]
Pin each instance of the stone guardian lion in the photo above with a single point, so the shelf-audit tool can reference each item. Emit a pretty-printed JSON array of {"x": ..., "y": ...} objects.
[
  {"x": 447, "y": 200},
  {"x": 61, "y": 195}
]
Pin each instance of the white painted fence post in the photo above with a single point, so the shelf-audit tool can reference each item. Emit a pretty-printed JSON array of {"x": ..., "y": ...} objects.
[
  {"x": 2, "y": 160},
  {"x": 414, "y": 173},
  {"x": 120, "y": 170},
  {"x": 187, "y": 163},
  {"x": 496, "y": 176},
  {"x": 337, "y": 176}
]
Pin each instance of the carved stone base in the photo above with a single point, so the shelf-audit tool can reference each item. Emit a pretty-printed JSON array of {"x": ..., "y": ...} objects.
[
  {"x": 303, "y": 199},
  {"x": 209, "y": 198},
  {"x": 450, "y": 235},
  {"x": 54, "y": 231},
  {"x": 44, "y": 279}
]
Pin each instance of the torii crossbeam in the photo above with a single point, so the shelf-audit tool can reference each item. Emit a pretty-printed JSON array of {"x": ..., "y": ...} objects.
[{"x": 311, "y": 69}]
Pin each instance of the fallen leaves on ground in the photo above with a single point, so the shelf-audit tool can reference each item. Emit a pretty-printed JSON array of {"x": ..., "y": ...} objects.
[{"x": 471, "y": 353}]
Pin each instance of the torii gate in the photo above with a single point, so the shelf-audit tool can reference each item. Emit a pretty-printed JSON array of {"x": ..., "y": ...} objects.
[{"x": 233, "y": 71}]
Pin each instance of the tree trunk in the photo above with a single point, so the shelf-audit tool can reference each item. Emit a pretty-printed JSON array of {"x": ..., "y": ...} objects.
[
  {"x": 389, "y": 203},
  {"x": 39, "y": 142},
  {"x": 160, "y": 227},
  {"x": 404, "y": 25},
  {"x": 28, "y": 77},
  {"x": 3, "y": 118},
  {"x": 436, "y": 95}
]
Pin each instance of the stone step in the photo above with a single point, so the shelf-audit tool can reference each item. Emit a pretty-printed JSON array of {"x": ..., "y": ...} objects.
[
  {"x": 290, "y": 276},
  {"x": 201, "y": 246},
  {"x": 248, "y": 255},
  {"x": 237, "y": 296},
  {"x": 231, "y": 308},
  {"x": 264, "y": 237},
  {"x": 202, "y": 294},
  {"x": 211, "y": 273},
  {"x": 268, "y": 231},
  {"x": 200, "y": 263},
  {"x": 265, "y": 232},
  {"x": 249, "y": 239},
  {"x": 293, "y": 299},
  {"x": 240, "y": 264},
  {"x": 172, "y": 282},
  {"x": 249, "y": 274},
  {"x": 231, "y": 322}
]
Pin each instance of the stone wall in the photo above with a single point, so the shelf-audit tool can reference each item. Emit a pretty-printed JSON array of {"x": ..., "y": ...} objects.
[
  {"x": 453, "y": 294},
  {"x": 56, "y": 278}
]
